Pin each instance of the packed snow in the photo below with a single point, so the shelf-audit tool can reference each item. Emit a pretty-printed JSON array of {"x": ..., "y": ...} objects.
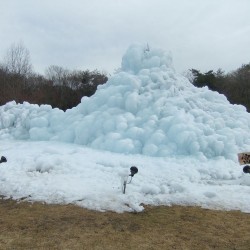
[{"x": 184, "y": 141}]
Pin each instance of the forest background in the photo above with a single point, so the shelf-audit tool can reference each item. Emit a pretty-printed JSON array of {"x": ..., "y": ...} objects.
[{"x": 63, "y": 88}]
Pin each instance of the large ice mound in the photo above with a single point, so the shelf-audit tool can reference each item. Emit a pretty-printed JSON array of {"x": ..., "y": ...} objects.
[{"x": 145, "y": 108}]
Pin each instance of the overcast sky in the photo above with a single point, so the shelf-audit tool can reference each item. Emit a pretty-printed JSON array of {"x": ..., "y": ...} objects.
[{"x": 94, "y": 34}]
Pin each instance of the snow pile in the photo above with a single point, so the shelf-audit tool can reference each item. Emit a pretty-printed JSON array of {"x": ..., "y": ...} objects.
[
  {"x": 63, "y": 173},
  {"x": 146, "y": 109}
]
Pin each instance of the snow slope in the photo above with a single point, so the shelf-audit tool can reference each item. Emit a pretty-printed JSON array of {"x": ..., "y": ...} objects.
[{"x": 183, "y": 139}]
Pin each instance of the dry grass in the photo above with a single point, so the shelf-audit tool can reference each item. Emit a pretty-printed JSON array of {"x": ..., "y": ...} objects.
[{"x": 38, "y": 226}]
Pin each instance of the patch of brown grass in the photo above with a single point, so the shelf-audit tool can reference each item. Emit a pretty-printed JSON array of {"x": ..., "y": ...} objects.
[{"x": 38, "y": 226}]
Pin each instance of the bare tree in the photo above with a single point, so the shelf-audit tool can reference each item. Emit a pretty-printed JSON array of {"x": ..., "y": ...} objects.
[
  {"x": 17, "y": 60},
  {"x": 57, "y": 74}
]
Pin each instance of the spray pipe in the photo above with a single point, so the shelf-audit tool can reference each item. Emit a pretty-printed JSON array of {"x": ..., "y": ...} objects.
[
  {"x": 133, "y": 171},
  {"x": 246, "y": 169},
  {"x": 3, "y": 159}
]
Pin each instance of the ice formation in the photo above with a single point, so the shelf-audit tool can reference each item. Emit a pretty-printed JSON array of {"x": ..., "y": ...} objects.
[{"x": 145, "y": 108}]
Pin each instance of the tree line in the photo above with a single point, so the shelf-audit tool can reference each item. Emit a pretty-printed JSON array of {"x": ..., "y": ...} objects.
[
  {"x": 235, "y": 85},
  {"x": 63, "y": 88},
  {"x": 59, "y": 87}
]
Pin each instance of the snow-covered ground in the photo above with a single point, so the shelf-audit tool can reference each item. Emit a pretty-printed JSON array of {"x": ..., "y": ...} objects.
[{"x": 184, "y": 141}]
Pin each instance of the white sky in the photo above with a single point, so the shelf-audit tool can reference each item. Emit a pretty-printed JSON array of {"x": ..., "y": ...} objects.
[{"x": 84, "y": 34}]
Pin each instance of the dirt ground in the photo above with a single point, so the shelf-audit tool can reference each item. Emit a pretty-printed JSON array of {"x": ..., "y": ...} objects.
[{"x": 38, "y": 226}]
